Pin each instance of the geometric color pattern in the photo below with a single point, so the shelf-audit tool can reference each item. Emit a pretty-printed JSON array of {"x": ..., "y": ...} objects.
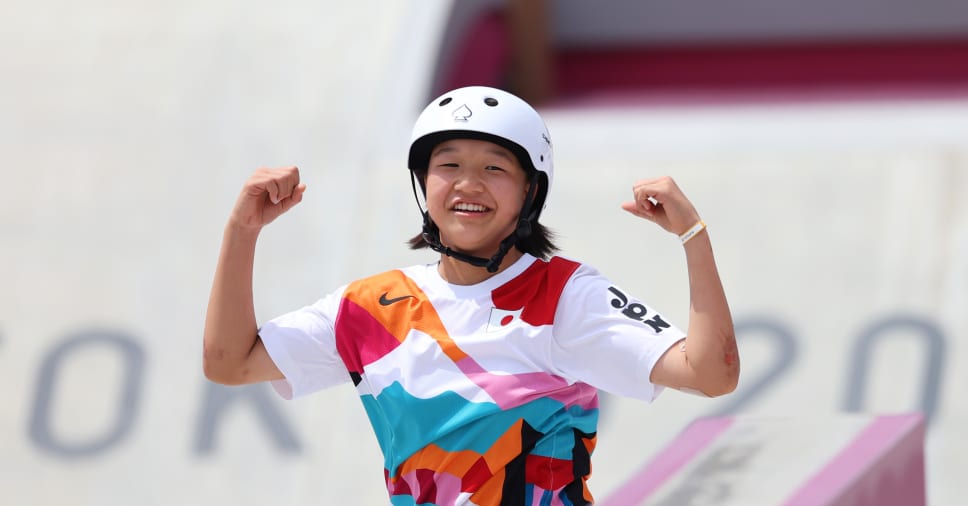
[{"x": 471, "y": 391}]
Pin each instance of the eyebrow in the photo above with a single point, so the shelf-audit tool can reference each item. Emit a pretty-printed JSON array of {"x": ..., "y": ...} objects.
[{"x": 496, "y": 150}]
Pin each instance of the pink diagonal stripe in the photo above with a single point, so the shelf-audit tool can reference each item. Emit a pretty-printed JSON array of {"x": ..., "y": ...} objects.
[
  {"x": 866, "y": 452},
  {"x": 693, "y": 439}
]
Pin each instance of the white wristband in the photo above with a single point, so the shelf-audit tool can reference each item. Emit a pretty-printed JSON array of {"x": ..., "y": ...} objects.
[{"x": 689, "y": 234}]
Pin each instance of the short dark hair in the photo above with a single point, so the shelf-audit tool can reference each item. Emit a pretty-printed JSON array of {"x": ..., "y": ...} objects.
[{"x": 540, "y": 243}]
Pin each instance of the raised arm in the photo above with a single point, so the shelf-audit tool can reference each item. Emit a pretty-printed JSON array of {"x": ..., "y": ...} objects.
[
  {"x": 707, "y": 362},
  {"x": 233, "y": 353}
]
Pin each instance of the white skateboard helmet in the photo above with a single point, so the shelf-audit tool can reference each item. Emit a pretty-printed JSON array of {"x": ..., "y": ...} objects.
[{"x": 480, "y": 112}]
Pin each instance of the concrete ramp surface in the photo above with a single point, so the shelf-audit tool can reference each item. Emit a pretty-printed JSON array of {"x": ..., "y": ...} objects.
[{"x": 849, "y": 460}]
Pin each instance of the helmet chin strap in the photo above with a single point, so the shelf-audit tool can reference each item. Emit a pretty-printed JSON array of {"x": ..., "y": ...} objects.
[{"x": 431, "y": 234}]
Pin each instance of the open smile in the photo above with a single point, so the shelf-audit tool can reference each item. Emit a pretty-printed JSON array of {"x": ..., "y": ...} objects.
[{"x": 465, "y": 207}]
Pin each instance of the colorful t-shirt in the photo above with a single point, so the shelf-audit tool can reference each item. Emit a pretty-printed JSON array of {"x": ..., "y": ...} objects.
[{"x": 482, "y": 394}]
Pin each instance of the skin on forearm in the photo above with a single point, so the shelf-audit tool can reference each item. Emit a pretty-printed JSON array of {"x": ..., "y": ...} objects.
[
  {"x": 230, "y": 324},
  {"x": 711, "y": 344}
]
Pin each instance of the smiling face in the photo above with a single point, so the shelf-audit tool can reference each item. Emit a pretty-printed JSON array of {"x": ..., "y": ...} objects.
[{"x": 475, "y": 190}]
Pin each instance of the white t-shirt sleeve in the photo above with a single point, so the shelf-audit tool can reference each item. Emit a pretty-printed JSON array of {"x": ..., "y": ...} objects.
[
  {"x": 302, "y": 344},
  {"x": 608, "y": 339}
]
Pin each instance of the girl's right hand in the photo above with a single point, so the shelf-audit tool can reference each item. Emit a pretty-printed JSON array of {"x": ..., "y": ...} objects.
[{"x": 266, "y": 195}]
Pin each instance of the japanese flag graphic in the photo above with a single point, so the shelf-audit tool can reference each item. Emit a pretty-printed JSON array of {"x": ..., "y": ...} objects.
[{"x": 502, "y": 318}]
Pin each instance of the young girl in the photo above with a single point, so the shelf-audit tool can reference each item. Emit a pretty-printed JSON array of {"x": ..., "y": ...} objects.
[{"x": 479, "y": 372}]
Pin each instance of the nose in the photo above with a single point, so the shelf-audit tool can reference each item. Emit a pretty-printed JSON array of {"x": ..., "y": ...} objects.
[{"x": 468, "y": 180}]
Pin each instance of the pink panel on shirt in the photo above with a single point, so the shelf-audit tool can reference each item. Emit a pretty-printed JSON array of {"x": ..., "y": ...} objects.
[
  {"x": 511, "y": 390},
  {"x": 428, "y": 487},
  {"x": 360, "y": 338}
]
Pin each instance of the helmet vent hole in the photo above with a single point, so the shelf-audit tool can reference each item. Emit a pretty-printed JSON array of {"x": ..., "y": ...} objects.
[
  {"x": 542, "y": 158},
  {"x": 444, "y": 102},
  {"x": 490, "y": 101}
]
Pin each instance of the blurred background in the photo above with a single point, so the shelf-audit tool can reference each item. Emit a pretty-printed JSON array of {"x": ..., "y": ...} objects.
[{"x": 825, "y": 143}]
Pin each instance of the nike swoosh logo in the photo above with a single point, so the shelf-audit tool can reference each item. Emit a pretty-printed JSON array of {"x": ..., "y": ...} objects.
[{"x": 384, "y": 301}]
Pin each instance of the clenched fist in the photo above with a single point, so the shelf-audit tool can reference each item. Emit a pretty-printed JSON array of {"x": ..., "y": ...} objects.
[
  {"x": 661, "y": 201},
  {"x": 266, "y": 195}
]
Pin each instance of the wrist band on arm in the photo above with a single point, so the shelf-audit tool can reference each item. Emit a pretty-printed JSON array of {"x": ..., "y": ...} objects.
[{"x": 689, "y": 234}]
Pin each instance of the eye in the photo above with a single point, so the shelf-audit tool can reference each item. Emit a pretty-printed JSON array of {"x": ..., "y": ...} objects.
[
  {"x": 494, "y": 167},
  {"x": 446, "y": 166}
]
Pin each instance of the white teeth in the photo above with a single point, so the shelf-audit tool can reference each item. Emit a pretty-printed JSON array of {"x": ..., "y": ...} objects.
[{"x": 470, "y": 207}]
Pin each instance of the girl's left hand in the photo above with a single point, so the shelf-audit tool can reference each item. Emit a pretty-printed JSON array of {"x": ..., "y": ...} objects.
[{"x": 660, "y": 201}]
